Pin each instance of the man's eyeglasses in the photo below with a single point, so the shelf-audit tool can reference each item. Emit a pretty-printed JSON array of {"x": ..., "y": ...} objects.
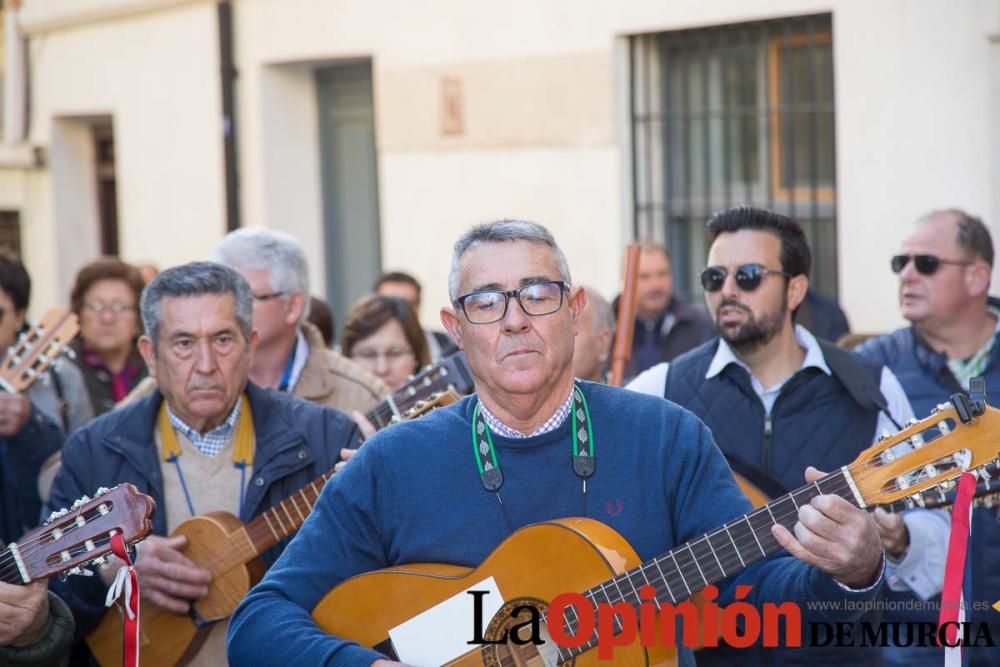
[
  {"x": 925, "y": 265},
  {"x": 116, "y": 307},
  {"x": 269, "y": 296},
  {"x": 748, "y": 277},
  {"x": 490, "y": 306}
]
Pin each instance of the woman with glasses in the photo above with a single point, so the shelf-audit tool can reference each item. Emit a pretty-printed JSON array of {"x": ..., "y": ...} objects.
[
  {"x": 106, "y": 298},
  {"x": 383, "y": 334}
]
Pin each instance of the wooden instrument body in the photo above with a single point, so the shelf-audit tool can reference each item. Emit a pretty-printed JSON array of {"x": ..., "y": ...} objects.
[
  {"x": 540, "y": 561},
  {"x": 167, "y": 639}
]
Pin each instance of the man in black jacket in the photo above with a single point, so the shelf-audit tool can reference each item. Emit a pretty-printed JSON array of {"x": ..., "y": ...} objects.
[
  {"x": 665, "y": 324},
  {"x": 206, "y": 440},
  {"x": 37, "y": 626}
]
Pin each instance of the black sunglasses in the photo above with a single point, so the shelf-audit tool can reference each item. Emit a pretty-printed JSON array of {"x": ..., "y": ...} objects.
[
  {"x": 748, "y": 277},
  {"x": 925, "y": 265}
]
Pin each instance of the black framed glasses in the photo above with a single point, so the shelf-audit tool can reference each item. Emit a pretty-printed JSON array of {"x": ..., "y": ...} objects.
[
  {"x": 490, "y": 306},
  {"x": 925, "y": 265},
  {"x": 748, "y": 276}
]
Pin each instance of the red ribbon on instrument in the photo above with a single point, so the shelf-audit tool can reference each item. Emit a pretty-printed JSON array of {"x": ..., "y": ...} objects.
[
  {"x": 128, "y": 582},
  {"x": 954, "y": 569}
]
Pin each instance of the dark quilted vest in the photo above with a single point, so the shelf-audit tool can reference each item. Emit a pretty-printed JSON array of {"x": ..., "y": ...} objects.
[
  {"x": 927, "y": 381},
  {"x": 815, "y": 421}
]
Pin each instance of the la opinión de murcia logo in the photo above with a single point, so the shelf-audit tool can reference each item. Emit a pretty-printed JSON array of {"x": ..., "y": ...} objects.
[{"x": 572, "y": 621}]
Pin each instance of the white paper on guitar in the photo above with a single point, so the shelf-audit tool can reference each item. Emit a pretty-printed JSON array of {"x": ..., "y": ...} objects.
[{"x": 442, "y": 632}]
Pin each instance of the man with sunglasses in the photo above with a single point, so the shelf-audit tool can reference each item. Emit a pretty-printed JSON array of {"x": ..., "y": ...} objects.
[
  {"x": 532, "y": 444},
  {"x": 779, "y": 401},
  {"x": 944, "y": 271}
]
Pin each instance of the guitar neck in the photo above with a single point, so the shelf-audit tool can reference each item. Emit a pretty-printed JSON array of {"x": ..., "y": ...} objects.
[
  {"x": 282, "y": 520},
  {"x": 683, "y": 571}
]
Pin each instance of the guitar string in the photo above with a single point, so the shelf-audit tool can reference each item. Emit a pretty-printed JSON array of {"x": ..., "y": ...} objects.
[
  {"x": 765, "y": 542},
  {"x": 666, "y": 578}
]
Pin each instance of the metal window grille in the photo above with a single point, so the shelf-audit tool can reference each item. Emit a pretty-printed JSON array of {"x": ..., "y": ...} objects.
[
  {"x": 10, "y": 232},
  {"x": 737, "y": 114}
]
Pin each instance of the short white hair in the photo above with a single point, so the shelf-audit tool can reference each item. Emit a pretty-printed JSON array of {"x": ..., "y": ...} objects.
[
  {"x": 496, "y": 232},
  {"x": 604, "y": 318},
  {"x": 263, "y": 249}
]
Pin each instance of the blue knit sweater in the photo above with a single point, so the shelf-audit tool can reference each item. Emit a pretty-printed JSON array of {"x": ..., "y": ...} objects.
[{"x": 413, "y": 494}]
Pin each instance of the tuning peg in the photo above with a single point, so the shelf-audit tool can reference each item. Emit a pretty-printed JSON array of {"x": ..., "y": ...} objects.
[
  {"x": 917, "y": 440},
  {"x": 101, "y": 491},
  {"x": 902, "y": 483},
  {"x": 80, "y": 502},
  {"x": 79, "y": 571},
  {"x": 915, "y": 500},
  {"x": 884, "y": 436},
  {"x": 912, "y": 421}
]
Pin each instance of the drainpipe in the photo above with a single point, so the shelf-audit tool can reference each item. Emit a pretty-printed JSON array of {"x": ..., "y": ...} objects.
[
  {"x": 228, "y": 79},
  {"x": 15, "y": 84}
]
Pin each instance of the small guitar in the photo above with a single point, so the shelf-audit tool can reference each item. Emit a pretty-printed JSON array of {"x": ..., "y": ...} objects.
[
  {"x": 73, "y": 538},
  {"x": 37, "y": 349},
  {"x": 451, "y": 374},
  {"x": 230, "y": 550},
  {"x": 583, "y": 555}
]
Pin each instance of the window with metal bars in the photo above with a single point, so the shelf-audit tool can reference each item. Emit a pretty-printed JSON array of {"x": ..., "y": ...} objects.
[{"x": 736, "y": 114}]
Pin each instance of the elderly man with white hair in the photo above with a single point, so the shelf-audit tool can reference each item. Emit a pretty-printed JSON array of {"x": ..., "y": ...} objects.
[{"x": 291, "y": 356}]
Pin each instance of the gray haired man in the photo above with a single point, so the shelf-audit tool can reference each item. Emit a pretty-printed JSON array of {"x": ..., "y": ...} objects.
[
  {"x": 291, "y": 355},
  {"x": 205, "y": 440},
  {"x": 592, "y": 347}
]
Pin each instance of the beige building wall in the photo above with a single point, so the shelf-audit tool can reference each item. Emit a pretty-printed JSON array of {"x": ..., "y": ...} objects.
[
  {"x": 545, "y": 126},
  {"x": 541, "y": 93},
  {"x": 151, "y": 67}
]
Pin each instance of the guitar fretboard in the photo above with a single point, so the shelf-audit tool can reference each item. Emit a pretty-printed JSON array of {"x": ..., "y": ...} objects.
[
  {"x": 685, "y": 570},
  {"x": 286, "y": 517}
]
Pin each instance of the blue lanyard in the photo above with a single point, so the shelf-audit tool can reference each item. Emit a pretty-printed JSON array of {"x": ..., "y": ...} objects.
[
  {"x": 286, "y": 377},
  {"x": 176, "y": 460}
]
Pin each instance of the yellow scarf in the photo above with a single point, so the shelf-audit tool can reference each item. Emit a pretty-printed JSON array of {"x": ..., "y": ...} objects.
[{"x": 242, "y": 452}]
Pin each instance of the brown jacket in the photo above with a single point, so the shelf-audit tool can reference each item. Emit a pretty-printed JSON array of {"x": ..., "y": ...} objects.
[
  {"x": 335, "y": 381},
  {"x": 328, "y": 378}
]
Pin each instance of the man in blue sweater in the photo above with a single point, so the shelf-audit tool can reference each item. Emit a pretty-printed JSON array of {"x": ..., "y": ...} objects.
[
  {"x": 944, "y": 279},
  {"x": 452, "y": 486}
]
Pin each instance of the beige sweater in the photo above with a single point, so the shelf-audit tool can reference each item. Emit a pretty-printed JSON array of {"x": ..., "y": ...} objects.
[{"x": 214, "y": 485}]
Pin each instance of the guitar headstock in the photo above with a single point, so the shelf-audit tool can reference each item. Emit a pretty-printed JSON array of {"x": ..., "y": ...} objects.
[
  {"x": 450, "y": 374},
  {"x": 945, "y": 444},
  {"x": 75, "y": 537},
  {"x": 37, "y": 349},
  {"x": 439, "y": 400}
]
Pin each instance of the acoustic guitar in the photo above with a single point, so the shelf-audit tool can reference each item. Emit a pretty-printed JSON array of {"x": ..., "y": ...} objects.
[
  {"x": 75, "y": 537},
  {"x": 584, "y": 556},
  {"x": 230, "y": 550}
]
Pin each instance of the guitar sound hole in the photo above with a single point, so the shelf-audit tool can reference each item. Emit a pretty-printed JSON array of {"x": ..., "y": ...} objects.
[{"x": 520, "y": 624}]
